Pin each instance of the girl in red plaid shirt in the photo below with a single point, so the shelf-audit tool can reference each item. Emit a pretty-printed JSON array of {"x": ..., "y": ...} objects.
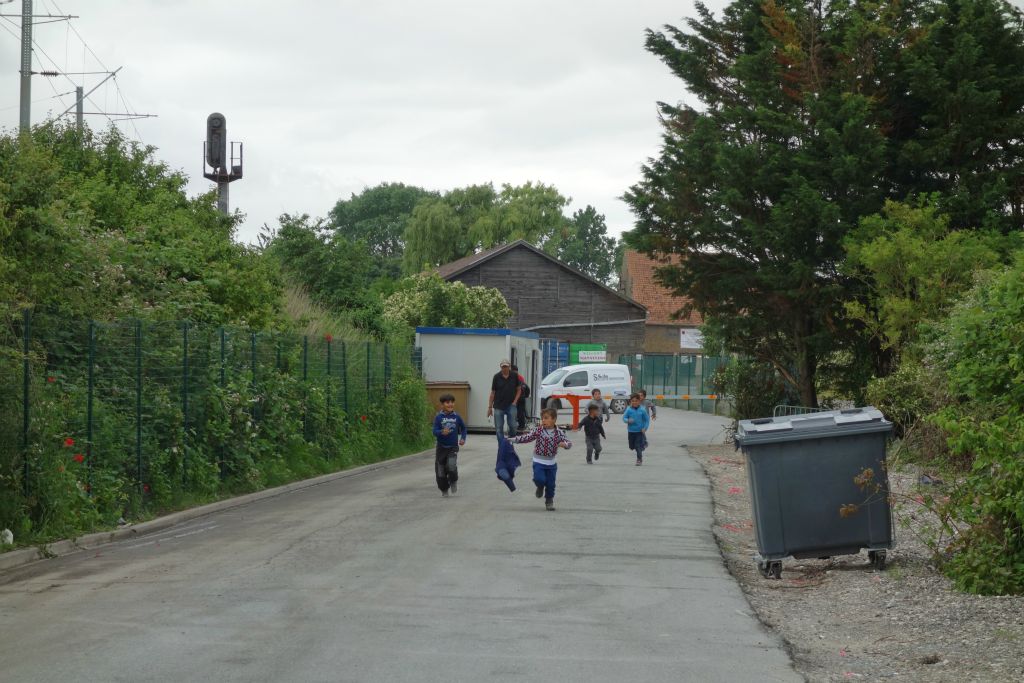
[{"x": 548, "y": 439}]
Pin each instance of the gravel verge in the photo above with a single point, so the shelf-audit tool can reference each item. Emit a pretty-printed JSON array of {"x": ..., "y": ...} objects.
[{"x": 843, "y": 620}]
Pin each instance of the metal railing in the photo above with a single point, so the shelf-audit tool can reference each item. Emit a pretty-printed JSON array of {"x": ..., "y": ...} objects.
[{"x": 784, "y": 410}]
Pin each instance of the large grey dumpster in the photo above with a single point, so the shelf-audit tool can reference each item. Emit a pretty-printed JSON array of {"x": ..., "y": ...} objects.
[{"x": 818, "y": 485}]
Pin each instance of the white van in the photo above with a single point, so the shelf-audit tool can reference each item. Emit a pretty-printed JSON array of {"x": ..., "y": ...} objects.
[{"x": 581, "y": 380}]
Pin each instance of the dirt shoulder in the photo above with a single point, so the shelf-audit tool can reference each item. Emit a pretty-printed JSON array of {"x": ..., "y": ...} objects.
[{"x": 845, "y": 621}]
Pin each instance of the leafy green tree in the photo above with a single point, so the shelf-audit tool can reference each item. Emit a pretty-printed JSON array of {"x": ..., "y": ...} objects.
[
  {"x": 585, "y": 245},
  {"x": 757, "y": 189},
  {"x": 951, "y": 103},
  {"x": 439, "y": 229},
  {"x": 914, "y": 268},
  {"x": 378, "y": 216},
  {"x": 428, "y": 300},
  {"x": 466, "y": 220},
  {"x": 332, "y": 269},
  {"x": 94, "y": 226}
]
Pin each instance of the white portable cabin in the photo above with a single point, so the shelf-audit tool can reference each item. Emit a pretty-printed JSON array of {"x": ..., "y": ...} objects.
[{"x": 471, "y": 355}]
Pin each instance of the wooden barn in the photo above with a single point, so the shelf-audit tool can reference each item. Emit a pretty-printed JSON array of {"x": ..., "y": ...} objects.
[{"x": 553, "y": 299}]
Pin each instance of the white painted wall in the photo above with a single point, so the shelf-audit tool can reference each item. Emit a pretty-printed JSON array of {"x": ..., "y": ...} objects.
[{"x": 475, "y": 359}]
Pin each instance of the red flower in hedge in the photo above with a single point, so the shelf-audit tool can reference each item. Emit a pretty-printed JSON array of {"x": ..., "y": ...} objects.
[
  {"x": 69, "y": 442},
  {"x": 79, "y": 457},
  {"x": 145, "y": 487},
  {"x": 328, "y": 338},
  {"x": 363, "y": 418},
  {"x": 51, "y": 379}
]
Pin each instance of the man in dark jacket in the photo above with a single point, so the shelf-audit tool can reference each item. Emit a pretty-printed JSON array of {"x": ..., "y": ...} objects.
[
  {"x": 524, "y": 393},
  {"x": 505, "y": 391}
]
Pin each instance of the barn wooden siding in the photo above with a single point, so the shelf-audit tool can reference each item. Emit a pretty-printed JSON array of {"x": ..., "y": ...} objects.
[{"x": 541, "y": 292}]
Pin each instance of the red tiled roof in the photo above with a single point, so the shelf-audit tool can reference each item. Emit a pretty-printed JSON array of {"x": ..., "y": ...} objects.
[{"x": 639, "y": 284}]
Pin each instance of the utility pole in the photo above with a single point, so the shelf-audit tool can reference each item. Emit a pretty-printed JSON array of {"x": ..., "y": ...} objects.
[
  {"x": 80, "y": 108},
  {"x": 26, "y": 66}
]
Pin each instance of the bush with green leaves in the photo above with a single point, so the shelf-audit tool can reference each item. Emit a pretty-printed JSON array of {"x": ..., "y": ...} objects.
[
  {"x": 428, "y": 300},
  {"x": 755, "y": 388},
  {"x": 981, "y": 348}
]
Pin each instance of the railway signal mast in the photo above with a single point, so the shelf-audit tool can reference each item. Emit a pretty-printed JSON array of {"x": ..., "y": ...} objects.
[{"x": 225, "y": 168}]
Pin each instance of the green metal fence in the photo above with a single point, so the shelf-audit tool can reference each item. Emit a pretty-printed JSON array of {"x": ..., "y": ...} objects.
[
  {"x": 676, "y": 375},
  {"x": 138, "y": 402}
]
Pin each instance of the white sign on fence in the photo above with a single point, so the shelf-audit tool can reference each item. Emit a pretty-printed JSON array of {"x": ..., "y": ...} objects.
[
  {"x": 690, "y": 338},
  {"x": 593, "y": 356}
]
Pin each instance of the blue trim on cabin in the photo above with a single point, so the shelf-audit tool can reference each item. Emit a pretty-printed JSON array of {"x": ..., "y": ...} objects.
[{"x": 478, "y": 331}]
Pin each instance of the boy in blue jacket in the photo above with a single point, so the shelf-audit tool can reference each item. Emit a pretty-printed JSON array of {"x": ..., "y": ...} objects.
[
  {"x": 637, "y": 421},
  {"x": 451, "y": 433}
]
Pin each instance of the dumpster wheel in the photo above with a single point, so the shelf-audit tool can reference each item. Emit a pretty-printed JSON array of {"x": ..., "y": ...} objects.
[
  {"x": 877, "y": 559},
  {"x": 770, "y": 569}
]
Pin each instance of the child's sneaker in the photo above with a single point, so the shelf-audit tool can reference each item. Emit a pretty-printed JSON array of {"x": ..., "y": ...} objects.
[
  {"x": 589, "y": 461},
  {"x": 597, "y": 456},
  {"x": 549, "y": 504},
  {"x": 444, "y": 494},
  {"x": 639, "y": 462},
  {"x": 540, "y": 491},
  {"x": 454, "y": 487}
]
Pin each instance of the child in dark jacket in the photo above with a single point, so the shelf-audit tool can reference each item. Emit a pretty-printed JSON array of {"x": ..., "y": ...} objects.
[
  {"x": 451, "y": 433},
  {"x": 594, "y": 430},
  {"x": 549, "y": 439}
]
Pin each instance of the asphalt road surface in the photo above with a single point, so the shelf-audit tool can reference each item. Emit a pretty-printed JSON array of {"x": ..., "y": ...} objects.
[{"x": 376, "y": 577}]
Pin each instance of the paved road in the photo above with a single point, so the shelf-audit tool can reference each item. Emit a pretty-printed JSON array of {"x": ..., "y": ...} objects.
[{"x": 376, "y": 577}]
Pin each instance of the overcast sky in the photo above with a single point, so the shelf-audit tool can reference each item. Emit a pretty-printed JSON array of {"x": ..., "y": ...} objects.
[{"x": 332, "y": 97}]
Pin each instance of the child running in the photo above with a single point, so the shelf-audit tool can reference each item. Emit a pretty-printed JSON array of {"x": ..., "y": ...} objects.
[
  {"x": 648, "y": 405},
  {"x": 596, "y": 400},
  {"x": 549, "y": 439},
  {"x": 594, "y": 430},
  {"x": 637, "y": 421},
  {"x": 451, "y": 433}
]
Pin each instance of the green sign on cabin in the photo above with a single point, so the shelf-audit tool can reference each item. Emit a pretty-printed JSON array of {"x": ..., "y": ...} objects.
[{"x": 588, "y": 353}]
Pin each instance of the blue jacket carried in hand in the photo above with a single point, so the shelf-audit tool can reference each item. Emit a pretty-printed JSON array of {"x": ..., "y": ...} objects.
[{"x": 507, "y": 462}]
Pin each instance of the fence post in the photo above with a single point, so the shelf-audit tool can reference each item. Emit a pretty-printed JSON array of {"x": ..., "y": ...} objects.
[
  {"x": 305, "y": 387},
  {"x": 344, "y": 379},
  {"x": 88, "y": 403},
  {"x": 703, "y": 369},
  {"x": 223, "y": 357},
  {"x": 329, "y": 341},
  {"x": 184, "y": 399},
  {"x": 138, "y": 405},
  {"x": 675, "y": 381},
  {"x": 26, "y": 375},
  {"x": 691, "y": 361}
]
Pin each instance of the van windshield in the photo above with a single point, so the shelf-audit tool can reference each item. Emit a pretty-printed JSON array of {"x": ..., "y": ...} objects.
[{"x": 555, "y": 377}]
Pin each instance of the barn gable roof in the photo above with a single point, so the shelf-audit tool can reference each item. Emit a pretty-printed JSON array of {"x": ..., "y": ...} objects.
[{"x": 459, "y": 266}]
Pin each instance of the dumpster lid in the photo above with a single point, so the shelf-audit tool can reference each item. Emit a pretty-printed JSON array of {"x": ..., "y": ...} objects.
[{"x": 812, "y": 425}]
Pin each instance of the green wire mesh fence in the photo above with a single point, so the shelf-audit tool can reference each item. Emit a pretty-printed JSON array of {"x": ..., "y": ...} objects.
[
  {"x": 138, "y": 410},
  {"x": 667, "y": 374}
]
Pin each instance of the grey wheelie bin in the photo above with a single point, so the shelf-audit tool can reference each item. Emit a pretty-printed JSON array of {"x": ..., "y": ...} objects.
[{"x": 818, "y": 485}]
